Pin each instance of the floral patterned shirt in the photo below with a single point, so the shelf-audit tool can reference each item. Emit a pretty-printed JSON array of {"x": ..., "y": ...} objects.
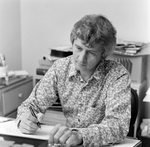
[{"x": 100, "y": 108}]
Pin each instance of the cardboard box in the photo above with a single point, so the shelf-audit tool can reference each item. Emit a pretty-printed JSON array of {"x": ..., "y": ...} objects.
[{"x": 136, "y": 65}]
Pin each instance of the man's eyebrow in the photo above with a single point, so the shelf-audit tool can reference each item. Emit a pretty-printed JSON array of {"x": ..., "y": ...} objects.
[
  {"x": 78, "y": 45},
  {"x": 89, "y": 49}
]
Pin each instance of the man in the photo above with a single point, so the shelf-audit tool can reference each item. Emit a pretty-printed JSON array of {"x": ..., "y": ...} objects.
[{"x": 94, "y": 92}]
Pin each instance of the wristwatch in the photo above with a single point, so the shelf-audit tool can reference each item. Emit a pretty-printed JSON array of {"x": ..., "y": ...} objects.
[{"x": 75, "y": 130}]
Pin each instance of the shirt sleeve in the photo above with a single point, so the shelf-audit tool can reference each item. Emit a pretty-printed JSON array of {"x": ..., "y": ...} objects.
[
  {"x": 115, "y": 125},
  {"x": 43, "y": 95}
]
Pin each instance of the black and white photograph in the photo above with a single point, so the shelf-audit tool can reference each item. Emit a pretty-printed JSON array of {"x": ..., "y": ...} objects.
[{"x": 74, "y": 73}]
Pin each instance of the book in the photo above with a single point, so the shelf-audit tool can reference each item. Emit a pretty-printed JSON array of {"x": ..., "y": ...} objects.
[
  {"x": 128, "y": 47},
  {"x": 61, "y": 52},
  {"x": 58, "y": 53},
  {"x": 41, "y": 71}
]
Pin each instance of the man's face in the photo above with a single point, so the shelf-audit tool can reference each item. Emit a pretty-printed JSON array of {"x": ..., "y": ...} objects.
[{"x": 86, "y": 59}]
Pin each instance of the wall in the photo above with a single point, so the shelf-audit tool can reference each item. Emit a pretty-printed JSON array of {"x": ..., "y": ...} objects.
[
  {"x": 48, "y": 23},
  {"x": 10, "y": 33},
  {"x": 30, "y": 27}
]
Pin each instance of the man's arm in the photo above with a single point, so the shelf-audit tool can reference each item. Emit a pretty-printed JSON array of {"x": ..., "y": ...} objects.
[{"x": 42, "y": 96}]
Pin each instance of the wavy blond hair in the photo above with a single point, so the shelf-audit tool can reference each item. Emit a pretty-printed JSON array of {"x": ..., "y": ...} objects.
[{"x": 95, "y": 29}]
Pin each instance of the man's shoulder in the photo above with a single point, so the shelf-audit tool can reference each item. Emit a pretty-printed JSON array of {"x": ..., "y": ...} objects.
[
  {"x": 115, "y": 66},
  {"x": 63, "y": 61}
]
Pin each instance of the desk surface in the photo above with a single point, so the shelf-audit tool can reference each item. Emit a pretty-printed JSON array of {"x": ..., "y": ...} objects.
[
  {"x": 59, "y": 118},
  {"x": 14, "y": 80},
  {"x": 41, "y": 143},
  {"x": 129, "y": 142},
  {"x": 20, "y": 140}
]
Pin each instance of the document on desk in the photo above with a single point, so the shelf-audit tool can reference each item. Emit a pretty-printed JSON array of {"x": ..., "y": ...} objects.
[
  {"x": 129, "y": 142},
  {"x": 5, "y": 119},
  {"x": 10, "y": 128}
]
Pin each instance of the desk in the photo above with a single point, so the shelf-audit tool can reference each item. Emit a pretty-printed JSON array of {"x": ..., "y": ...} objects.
[
  {"x": 129, "y": 142},
  {"x": 20, "y": 140},
  {"x": 57, "y": 117},
  {"x": 41, "y": 143}
]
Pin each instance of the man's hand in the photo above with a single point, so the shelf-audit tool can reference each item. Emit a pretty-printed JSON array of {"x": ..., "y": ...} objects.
[
  {"x": 63, "y": 135},
  {"x": 28, "y": 123}
]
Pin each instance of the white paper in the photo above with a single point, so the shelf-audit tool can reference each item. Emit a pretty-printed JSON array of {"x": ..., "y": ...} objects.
[
  {"x": 21, "y": 73},
  {"x": 128, "y": 142},
  {"x": 148, "y": 91},
  {"x": 4, "y": 119},
  {"x": 146, "y": 98},
  {"x": 10, "y": 128}
]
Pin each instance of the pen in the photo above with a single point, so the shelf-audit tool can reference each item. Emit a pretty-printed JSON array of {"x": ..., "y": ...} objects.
[{"x": 33, "y": 114}]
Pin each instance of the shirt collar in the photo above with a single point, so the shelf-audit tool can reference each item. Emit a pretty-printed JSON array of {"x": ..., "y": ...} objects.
[
  {"x": 73, "y": 71},
  {"x": 100, "y": 70}
]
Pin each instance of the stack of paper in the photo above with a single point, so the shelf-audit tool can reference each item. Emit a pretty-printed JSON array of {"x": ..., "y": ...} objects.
[
  {"x": 147, "y": 97},
  {"x": 10, "y": 128}
]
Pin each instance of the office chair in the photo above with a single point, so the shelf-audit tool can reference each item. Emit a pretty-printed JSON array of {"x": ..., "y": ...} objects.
[{"x": 134, "y": 111}]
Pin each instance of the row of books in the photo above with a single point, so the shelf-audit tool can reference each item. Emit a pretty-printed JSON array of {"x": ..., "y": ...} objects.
[{"x": 128, "y": 47}]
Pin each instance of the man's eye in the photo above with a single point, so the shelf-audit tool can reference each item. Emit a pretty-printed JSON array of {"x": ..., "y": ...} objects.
[
  {"x": 79, "y": 48},
  {"x": 92, "y": 53}
]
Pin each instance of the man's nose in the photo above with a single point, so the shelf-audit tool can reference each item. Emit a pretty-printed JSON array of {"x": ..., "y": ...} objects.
[{"x": 83, "y": 57}]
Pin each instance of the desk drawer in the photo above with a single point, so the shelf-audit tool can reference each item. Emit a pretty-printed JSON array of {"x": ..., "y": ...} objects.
[{"x": 14, "y": 96}]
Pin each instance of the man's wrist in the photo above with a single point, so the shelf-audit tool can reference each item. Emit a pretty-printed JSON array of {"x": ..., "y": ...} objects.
[{"x": 79, "y": 136}]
